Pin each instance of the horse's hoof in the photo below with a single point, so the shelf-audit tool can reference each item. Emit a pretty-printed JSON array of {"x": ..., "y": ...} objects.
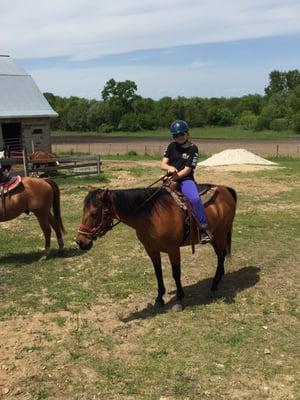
[
  {"x": 159, "y": 303},
  {"x": 178, "y": 307},
  {"x": 44, "y": 257}
]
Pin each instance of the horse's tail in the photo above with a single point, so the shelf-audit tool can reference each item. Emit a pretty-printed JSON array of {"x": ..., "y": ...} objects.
[
  {"x": 56, "y": 204},
  {"x": 229, "y": 234}
]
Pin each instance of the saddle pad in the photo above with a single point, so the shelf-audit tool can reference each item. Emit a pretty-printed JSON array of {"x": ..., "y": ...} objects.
[
  {"x": 207, "y": 194},
  {"x": 11, "y": 184}
]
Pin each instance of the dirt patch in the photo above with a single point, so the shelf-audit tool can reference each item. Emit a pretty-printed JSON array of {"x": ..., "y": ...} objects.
[{"x": 31, "y": 343}]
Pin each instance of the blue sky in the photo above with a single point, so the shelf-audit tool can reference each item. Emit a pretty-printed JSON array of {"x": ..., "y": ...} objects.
[{"x": 169, "y": 48}]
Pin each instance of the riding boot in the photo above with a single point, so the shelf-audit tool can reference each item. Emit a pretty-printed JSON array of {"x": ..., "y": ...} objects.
[{"x": 204, "y": 234}]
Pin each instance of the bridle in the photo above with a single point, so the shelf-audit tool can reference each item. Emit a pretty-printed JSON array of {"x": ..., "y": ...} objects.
[{"x": 108, "y": 214}]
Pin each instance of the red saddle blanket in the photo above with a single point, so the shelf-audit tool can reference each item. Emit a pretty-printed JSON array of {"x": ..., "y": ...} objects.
[{"x": 7, "y": 187}]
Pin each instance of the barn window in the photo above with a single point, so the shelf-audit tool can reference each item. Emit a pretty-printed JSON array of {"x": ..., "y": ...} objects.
[{"x": 37, "y": 131}]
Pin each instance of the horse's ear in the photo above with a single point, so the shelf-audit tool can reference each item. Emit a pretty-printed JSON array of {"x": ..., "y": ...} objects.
[
  {"x": 91, "y": 188},
  {"x": 105, "y": 194}
]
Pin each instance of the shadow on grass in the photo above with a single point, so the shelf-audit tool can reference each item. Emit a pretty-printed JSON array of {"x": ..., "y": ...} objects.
[
  {"x": 35, "y": 256},
  {"x": 199, "y": 293}
]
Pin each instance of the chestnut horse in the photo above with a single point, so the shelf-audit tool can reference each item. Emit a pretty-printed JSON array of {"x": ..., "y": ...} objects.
[
  {"x": 43, "y": 157},
  {"x": 38, "y": 196},
  {"x": 160, "y": 226}
]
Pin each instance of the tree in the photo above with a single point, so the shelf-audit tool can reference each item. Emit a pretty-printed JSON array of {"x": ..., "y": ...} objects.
[
  {"x": 122, "y": 92},
  {"x": 77, "y": 114},
  {"x": 282, "y": 82},
  {"x": 97, "y": 115},
  {"x": 251, "y": 102},
  {"x": 220, "y": 116},
  {"x": 294, "y": 108},
  {"x": 165, "y": 112},
  {"x": 119, "y": 96},
  {"x": 129, "y": 122}
]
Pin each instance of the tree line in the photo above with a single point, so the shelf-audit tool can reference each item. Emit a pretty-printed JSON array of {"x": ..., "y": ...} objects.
[{"x": 122, "y": 109}]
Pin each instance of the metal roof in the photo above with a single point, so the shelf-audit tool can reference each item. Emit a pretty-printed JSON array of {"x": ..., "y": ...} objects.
[{"x": 19, "y": 95}]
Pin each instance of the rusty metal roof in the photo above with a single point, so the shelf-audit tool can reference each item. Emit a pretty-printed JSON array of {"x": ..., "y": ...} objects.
[{"x": 19, "y": 95}]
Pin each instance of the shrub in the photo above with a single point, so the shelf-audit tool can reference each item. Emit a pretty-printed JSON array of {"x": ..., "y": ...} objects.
[
  {"x": 220, "y": 116},
  {"x": 279, "y": 124},
  {"x": 296, "y": 122},
  {"x": 129, "y": 122},
  {"x": 105, "y": 128},
  {"x": 248, "y": 120}
]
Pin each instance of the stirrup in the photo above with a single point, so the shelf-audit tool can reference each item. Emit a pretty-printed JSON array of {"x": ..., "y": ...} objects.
[{"x": 204, "y": 237}]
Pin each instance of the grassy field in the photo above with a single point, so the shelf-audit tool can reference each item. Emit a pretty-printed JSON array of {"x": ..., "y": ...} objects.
[
  {"x": 80, "y": 326},
  {"x": 231, "y": 132}
]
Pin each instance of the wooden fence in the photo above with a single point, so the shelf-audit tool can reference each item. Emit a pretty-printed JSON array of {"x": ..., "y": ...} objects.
[{"x": 67, "y": 165}]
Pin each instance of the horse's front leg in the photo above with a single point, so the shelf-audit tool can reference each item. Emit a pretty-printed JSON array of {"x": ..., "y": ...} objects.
[
  {"x": 174, "y": 257},
  {"x": 161, "y": 290}
]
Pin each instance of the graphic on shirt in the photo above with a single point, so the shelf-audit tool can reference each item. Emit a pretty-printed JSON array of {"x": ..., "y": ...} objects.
[{"x": 195, "y": 159}]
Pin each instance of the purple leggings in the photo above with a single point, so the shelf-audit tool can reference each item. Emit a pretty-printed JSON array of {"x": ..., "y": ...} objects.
[{"x": 189, "y": 189}]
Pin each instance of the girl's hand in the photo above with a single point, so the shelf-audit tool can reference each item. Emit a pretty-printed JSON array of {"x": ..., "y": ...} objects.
[{"x": 171, "y": 171}]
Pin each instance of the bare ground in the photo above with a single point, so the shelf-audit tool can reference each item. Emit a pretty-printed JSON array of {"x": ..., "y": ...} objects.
[{"x": 21, "y": 366}]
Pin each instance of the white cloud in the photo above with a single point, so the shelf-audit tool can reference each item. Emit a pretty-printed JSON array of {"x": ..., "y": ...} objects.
[{"x": 84, "y": 29}]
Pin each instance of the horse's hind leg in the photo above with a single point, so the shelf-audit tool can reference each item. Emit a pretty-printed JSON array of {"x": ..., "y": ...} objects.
[
  {"x": 156, "y": 261},
  {"x": 45, "y": 226},
  {"x": 58, "y": 232}
]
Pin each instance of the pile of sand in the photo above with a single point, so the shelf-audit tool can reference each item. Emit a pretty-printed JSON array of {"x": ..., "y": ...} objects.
[{"x": 235, "y": 157}]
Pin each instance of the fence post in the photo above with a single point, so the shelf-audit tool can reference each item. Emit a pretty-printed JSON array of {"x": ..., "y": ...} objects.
[
  {"x": 98, "y": 164},
  {"x": 25, "y": 162},
  {"x": 277, "y": 150}
]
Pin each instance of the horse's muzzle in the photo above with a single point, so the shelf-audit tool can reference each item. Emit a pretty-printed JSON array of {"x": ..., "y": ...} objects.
[{"x": 86, "y": 245}]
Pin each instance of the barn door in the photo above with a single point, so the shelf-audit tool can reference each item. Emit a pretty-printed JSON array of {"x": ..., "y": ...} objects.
[{"x": 12, "y": 135}]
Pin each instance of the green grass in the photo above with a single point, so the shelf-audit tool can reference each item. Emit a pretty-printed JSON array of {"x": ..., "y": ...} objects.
[
  {"x": 83, "y": 319},
  {"x": 231, "y": 132}
]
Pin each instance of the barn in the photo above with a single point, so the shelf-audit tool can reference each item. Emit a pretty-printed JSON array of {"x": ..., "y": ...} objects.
[{"x": 24, "y": 111}]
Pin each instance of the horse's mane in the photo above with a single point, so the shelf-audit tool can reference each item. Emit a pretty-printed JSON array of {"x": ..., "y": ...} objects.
[{"x": 136, "y": 202}]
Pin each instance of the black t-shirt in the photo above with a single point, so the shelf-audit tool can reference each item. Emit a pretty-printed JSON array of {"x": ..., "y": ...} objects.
[{"x": 180, "y": 157}]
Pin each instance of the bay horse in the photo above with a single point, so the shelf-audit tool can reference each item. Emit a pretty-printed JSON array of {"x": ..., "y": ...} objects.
[
  {"x": 160, "y": 226},
  {"x": 39, "y": 196}
]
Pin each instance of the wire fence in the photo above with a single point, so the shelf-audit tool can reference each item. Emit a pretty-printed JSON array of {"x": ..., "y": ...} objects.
[{"x": 208, "y": 148}]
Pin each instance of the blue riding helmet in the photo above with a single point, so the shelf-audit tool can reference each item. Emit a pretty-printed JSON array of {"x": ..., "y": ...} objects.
[{"x": 179, "y": 126}]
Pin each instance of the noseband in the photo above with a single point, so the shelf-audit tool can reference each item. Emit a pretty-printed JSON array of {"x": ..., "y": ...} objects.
[{"x": 107, "y": 223}]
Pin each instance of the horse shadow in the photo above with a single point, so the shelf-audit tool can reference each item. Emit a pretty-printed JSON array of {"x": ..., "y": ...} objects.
[
  {"x": 199, "y": 293},
  {"x": 35, "y": 256}
]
